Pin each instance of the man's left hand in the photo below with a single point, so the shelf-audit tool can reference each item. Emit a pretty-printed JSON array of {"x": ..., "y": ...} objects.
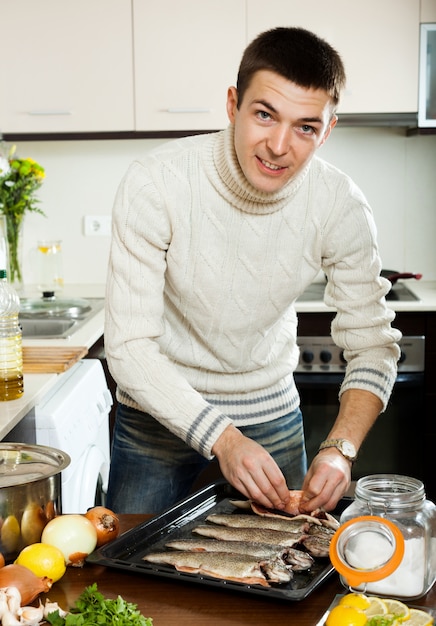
[{"x": 326, "y": 481}]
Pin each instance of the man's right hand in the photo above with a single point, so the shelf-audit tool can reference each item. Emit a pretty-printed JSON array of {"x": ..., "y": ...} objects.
[{"x": 251, "y": 469}]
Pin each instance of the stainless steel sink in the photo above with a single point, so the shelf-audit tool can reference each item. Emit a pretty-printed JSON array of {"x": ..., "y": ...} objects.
[
  {"x": 47, "y": 328},
  {"x": 57, "y": 318}
]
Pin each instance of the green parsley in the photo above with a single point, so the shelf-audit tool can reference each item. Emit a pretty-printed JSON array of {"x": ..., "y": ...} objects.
[
  {"x": 92, "y": 608},
  {"x": 382, "y": 620}
]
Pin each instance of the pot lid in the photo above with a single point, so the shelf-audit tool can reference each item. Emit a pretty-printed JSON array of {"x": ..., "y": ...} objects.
[
  {"x": 21, "y": 463},
  {"x": 52, "y": 306}
]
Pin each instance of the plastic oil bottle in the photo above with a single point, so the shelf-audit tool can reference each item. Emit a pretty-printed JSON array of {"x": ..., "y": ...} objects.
[{"x": 11, "y": 350}]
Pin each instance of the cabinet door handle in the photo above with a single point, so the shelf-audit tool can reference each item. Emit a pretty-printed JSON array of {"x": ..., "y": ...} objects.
[
  {"x": 49, "y": 112},
  {"x": 187, "y": 110}
]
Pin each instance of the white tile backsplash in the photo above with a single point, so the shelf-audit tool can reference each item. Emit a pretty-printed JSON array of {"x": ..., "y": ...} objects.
[{"x": 397, "y": 174}]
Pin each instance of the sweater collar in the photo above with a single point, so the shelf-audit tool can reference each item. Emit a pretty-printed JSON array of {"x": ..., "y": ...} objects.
[{"x": 225, "y": 174}]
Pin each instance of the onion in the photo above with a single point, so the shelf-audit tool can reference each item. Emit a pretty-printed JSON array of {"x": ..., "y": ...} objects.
[
  {"x": 29, "y": 585},
  {"x": 105, "y": 522},
  {"x": 73, "y": 534}
]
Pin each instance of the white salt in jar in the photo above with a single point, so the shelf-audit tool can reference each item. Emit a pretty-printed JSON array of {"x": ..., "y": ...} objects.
[{"x": 386, "y": 544}]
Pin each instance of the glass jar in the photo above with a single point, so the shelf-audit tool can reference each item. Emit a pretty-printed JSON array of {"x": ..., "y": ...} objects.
[{"x": 372, "y": 556}]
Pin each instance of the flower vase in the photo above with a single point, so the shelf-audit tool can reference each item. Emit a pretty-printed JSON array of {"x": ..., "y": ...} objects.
[
  {"x": 4, "y": 247},
  {"x": 14, "y": 227}
]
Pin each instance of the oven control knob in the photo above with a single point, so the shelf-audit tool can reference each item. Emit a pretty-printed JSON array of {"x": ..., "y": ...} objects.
[
  {"x": 307, "y": 356},
  {"x": 325, "y": 356}
]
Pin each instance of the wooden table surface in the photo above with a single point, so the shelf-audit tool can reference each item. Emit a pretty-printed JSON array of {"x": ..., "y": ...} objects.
[{"x": 174, "y": 603}]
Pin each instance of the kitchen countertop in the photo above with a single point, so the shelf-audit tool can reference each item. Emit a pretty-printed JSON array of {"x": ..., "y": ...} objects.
[
  {"x": 424, "y": 290},
  {"x": 36, "y": 385},
  {"x": 172, "y": 603}
]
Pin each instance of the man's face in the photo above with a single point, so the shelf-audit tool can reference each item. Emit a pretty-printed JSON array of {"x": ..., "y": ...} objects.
[{"x": 278, "y": 128}]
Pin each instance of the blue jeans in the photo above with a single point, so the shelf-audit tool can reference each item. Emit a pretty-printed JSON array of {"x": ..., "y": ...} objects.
[{"x": 152, "y": 469}]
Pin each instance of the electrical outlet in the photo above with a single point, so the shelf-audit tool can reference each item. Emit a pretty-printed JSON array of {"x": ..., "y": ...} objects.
[{"x": 97, "y": 225}]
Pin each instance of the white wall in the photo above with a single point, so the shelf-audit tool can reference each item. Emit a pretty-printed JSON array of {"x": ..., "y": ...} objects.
[{"x": 397, "y": 173}]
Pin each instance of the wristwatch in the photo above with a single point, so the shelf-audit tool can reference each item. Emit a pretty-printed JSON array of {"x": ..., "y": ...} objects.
[{"x": 345, "y": 447}]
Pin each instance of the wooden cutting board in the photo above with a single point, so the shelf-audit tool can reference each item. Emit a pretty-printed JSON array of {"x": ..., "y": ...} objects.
[{"x": 49, "y": 360}]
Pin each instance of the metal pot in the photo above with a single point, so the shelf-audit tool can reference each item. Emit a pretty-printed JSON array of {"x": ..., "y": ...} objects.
[{"x": 30, "y": 493}]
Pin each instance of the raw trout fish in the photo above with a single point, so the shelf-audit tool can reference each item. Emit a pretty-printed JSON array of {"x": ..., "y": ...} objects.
[
  {"x": 317, "y": 545},
  {"x": 297, "y": 560},
  {"x": 254, "y": 521},
  {"x": 240, "y": 568},
  {"x": 256, "y": 535},
  {"x": 254, "y": 547},
  {"x": 292, "y": 508},
  {"x": 318, "y": 517}
]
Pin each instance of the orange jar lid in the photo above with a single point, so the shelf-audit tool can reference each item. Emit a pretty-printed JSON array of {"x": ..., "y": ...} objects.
[{"x": 366, "y": 548}]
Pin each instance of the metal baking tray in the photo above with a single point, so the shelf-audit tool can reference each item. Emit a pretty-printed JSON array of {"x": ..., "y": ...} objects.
[{"x": 127, "y": 551}]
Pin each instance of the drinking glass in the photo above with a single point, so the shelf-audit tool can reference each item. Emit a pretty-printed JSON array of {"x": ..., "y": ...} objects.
[{"x": 50, "y": 271}]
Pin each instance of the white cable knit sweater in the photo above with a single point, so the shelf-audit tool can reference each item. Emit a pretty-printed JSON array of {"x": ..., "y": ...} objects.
[{"x": 204, "y": 272}]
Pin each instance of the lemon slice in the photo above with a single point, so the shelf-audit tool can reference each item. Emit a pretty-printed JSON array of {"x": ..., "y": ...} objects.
[
  {"x": 377, "y": 606},
  {"x": 418, "y": 618},
  {"x": 397, "y": 608}
]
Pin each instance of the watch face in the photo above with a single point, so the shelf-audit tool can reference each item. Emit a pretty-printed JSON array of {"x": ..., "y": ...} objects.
[{"x": 348, "y": 448}]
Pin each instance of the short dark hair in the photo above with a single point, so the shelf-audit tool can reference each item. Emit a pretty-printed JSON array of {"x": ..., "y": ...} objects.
[{"x": 296, "y": 54}]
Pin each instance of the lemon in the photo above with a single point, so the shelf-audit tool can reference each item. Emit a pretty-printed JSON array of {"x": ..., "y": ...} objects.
[
  {"x": 43, "y": 560},
  {"x": 357, "y": 600},
  {"x": 377, "y": 606},
  {"x": 419, "y": 618},
  {"x": 342, "y": 615},
  {"x": 397, "y": 608}
]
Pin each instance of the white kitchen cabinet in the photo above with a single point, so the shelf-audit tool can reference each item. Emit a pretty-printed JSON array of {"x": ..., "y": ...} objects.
[
  {"x": 132, "y": 65},
  {"x": 377, "y": 39},
  {"x": 428, "y": 10},
  {"x": 186, "y": 56},
  {"x": 66, "y": 66}
]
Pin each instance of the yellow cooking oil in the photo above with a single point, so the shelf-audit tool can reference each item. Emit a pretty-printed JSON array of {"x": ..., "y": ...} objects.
[
  {"x": 11, "y": 350},
  {"x": 11, "y": 361}
]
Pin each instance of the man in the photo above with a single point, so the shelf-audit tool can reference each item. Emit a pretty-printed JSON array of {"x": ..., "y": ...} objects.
[{"x": 214, "y": 238}]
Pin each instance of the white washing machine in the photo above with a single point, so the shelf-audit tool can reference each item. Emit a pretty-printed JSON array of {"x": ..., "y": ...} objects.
[{"x": 74, "y": 417}]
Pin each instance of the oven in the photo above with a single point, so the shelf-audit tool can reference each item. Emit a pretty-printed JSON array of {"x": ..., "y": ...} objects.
[
  {"x": 395, "y": 444},
  {"x": 392, "y": 446}
]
